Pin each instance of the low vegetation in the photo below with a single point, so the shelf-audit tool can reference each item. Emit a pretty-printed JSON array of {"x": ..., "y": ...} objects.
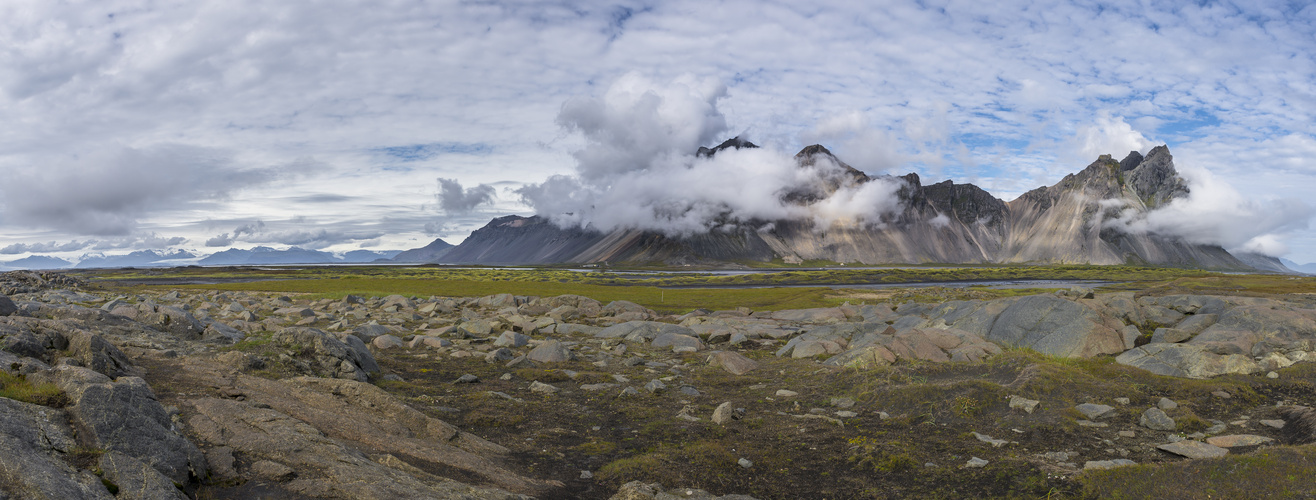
[{"x": 18, "y": 388}]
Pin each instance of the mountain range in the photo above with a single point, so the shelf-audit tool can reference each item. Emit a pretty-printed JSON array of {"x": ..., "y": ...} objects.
[
  {"x": 943, "y": 222},
  {"x": 292, "y": 255},
  {"x": 230, "y": 257}
]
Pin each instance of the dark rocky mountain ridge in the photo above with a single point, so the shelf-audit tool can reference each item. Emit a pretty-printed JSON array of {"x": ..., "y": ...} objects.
[{"x": 943, "y": 222}]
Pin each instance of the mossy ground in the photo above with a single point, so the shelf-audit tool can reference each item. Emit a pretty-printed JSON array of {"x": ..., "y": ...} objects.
[
  {"x": 18, "y": 388},
  {"x": 919, "y": 451}
]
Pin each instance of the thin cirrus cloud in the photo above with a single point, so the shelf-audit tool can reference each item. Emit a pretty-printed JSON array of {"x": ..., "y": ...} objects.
[{"x": 190, "y": 111}]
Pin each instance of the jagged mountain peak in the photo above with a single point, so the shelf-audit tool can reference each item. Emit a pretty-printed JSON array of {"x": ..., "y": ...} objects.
[
  {"x": 1131, "y": 161},
  {"x": 1154, "y": 180},
  {"x": 734, "y": 142},
  {"x": 815, "y": 149}
]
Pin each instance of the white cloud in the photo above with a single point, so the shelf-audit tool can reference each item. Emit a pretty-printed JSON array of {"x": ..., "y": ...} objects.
[
  {"x": 455, "y": 200},
  {"x": 1108, "y": 135},
  {"x": 638, "y": 168},
  {"x": 1215, "y": 213},
  {"x": 106, "y": 191}
]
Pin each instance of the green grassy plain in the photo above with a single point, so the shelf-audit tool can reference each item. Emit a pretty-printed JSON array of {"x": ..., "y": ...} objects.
[{"x": 664, "y": 290}]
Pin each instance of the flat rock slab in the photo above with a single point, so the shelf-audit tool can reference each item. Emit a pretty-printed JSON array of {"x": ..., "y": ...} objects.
[
  {"x": 1194, "y": 449},
  {"x": 1022, "y": 403},
  {"x": 1095, "y": 411},
  {"x": 1237, "y": 440},
  {"x": 1107, "y": 464},
  {"x": 734, "y": 363}
]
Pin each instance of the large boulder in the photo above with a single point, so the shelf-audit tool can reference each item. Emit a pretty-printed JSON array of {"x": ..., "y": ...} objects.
[
  {"x": 33, "y": 440},
  {"x": 323, "y": 467},
  {"x": 1186, "y": 360},
  {"x": 619, "y": 307},
  {"x": 641, "y": 331},
  {"x": 96, "y": 353},
  {"x": 51, "y": 339},
  {"x": 17, "y": 336},
  {"x": 1258, "y": 329},
  {"x": 7, "y": 306},
  {"x": 817, "y": 315},
  {"x": 167, "y": 319},
  {"x": 124, "y": 416},
  {"x": 1051, "y": 325},
  {"x": 330, "y": 356},
  {"x": 926, "y": 344},
  {"x": 671, "y": 339},
  {"x": 974, "y": 316},
  {"x": 550, "y": 351},
  {"x": 734, "y": 363},
  {"x": 136, "y": 479}
]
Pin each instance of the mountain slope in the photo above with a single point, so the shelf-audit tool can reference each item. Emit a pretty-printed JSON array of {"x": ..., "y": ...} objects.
[
  {"x": 428, "y": 253},
  {"x": 938, "y": 223}
]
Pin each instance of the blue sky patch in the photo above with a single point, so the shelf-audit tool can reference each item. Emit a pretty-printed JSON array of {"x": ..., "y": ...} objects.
[{"x": 421, "y": 152}]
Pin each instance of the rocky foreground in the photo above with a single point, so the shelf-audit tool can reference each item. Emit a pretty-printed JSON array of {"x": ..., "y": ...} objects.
[{"x": 242, "y": 395}]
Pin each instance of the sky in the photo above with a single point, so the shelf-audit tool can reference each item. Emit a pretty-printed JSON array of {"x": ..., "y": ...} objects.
[{"x": 204, "y": 125}]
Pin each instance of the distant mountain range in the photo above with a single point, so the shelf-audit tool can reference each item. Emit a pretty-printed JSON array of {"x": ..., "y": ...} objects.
[
  {"x": 293, "y": 255},
  {"x": 230, "y": 257},
  {"x": 937, "y": 223},
  {"x": 36, "y": 262},
  {"x": 141, "y": 258},
  {"x": 1309, "y": 268},
  {"x": 432, "y": 252}
]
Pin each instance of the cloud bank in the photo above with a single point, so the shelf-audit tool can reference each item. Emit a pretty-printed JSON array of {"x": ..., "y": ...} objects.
[
  {"x": 639, "y": 168},
  {"x": 105, "y": 191},
  {"x": 455, "y": 200},
  {"x": 1215, "y": 213}
]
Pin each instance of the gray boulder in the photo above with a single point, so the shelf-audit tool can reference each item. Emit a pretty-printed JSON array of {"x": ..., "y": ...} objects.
[
  {"x": 168, "y": 319},
  {"x": 221, "y": 332},
  {"x": 1186, "y": 360},
  {"x": 972, "y": 316},
  {"x": 7, "y": 307},
  {"x": 1194, "y": 304},
  {"x": 32, "y": 440},
  {"x": 640, "y": 331},
  {"x": 671, "y": 339},
  {"x": 818, "y": 315},
  {"x": 1194, "y": 449},
  {"x": 124, "y": 416},
  {"x": 551, "y": 351},
  {"x": 1159, "y": 315},
  {"x": 49, "y": 339},
  {"x": 623, "y": 306},
  {"x": 326, "y": 467},
  {"x": 1156, "y": 419},
  {"x": 95, "y": 353},
  {"x": 330, "y": 356},
  {"x": 136, "y": 479},
  {"x": 734, "y": 363},
  {"x": 1093, "y": 411},
  {"x": 511, "y": 339},
  {"x": 369, "y": 332},
  {"x": 1169, "y": 336},
  {"x": 1260, "y": 328},
  {"x": 1051, "y": 325}
]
